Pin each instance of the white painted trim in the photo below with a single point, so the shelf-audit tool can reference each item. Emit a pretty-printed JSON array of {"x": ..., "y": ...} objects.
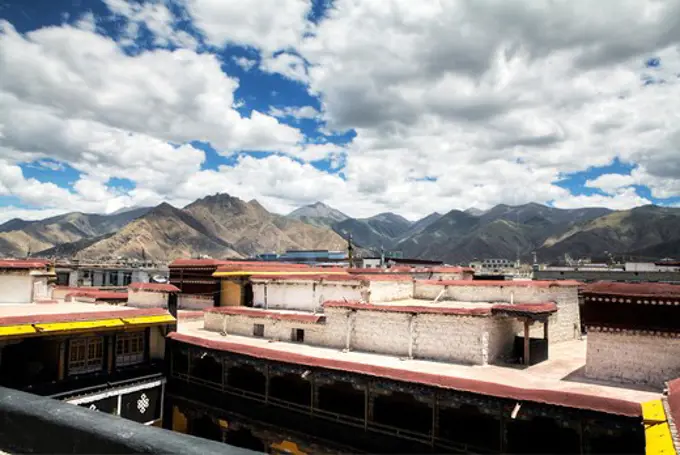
[{"x": 117, "y": 392}]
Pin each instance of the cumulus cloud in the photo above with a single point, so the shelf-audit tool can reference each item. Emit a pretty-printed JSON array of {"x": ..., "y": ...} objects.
[
  {"x": 268, "y": 25},
  {"x": 453, "y": 103},
  {"x": 302, "y": 112},
  {"x": 87, "y": 76},
  {"x": 245, "y": 63}
]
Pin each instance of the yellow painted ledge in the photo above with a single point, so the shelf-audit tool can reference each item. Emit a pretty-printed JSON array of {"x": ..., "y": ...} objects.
[
  {"x": 16, "y": 331},
  {"x": 658, "y": 440}
]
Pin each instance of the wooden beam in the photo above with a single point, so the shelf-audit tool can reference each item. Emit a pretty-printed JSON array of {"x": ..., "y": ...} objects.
[{"x": 526, "y": 341}]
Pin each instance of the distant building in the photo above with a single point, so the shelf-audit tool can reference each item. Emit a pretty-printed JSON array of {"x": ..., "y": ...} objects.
[
  {"x": 305, "y": 256},
  {"x": 25, "y": 281},
  {"x": 105, "y": 275}
]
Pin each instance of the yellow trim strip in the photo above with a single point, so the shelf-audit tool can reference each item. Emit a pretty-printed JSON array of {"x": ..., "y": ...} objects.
[
  {"x": 12, "y": 330},
  {"x": 53, "y": 327},
  {"x": 149, "y": 319},
  {"x": 658, "y": 440},
  {"x": 255, "y": 273},
  {"x": 77, "y": 325}
]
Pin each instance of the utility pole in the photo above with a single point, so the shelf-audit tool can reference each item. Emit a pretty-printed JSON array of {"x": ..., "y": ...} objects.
[{"x": 350, "y": 251}]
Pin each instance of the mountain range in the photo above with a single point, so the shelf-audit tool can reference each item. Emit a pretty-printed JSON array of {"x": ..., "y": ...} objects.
[{"x": 224, "y": 226}]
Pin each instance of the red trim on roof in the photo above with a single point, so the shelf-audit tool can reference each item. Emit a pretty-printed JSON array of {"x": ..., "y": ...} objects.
[
  {"x": 633, "y": 289},
  {"x": 261, "y": 313},
  {"x": 450, "y": 270},
  {"x": 153, "y": 287},
  {"x": 23, "y": 264},
  {"x": 98, "y": 295},
  {"x": 525, "y": 308},
  {"x": 197, "y": 262},
  {"x": 268, "y": 266},
  {"x": 507, "y": 283},
  {"x": 354, "y": 305},
  {"x": 81, "y": 316},
  {"x": 552, "y": 397},
  {"x": 324, "y": 277},
  {"x": 189, "y": 314},
  {"x": 674, "y": 401}
]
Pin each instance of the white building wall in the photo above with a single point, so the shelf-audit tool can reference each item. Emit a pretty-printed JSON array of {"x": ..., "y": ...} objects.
[
  {"x": 381, "y": 332},
  {"x": 623, "y": 357},
  {"x": 336, "y": 326},
  {"x": 302, "y": 295},
  {"x": 459, "y": 339},
  {"x": 41, "y": 288},
  {"x": 387, "y": 291},
  {"x": 273, "y": 329},
  {"x": 194, "y": 302},
  {"x": 563, "y": 325},
  {"x": 144, "y": 299},
  {"x": 16, "y": 288}
]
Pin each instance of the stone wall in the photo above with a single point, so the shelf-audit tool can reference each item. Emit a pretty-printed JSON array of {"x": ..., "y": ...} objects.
[
  {"x": 625, "y": 357},
  {"x": 144, "y": 299},
  {"x": 273, "y": 329},
  {"x": 458, "y": 339},
  {"x": 563, "y": 325},
  {"x": 381, "y": 332},
  {"x": 303, "y": 295},
  {"x": 195, "y": 302},
  {"x": 387, "y": 291}
]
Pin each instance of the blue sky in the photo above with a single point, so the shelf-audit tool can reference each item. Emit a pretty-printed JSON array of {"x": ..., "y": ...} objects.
[{"x": 368, "y": 107}]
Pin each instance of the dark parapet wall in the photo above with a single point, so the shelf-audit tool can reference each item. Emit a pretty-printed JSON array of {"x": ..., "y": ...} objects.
[{"x": 34, "y": 424}]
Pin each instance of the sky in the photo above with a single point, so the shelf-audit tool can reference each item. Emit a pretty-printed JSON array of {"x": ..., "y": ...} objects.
[{"x": 366, "y": 105}]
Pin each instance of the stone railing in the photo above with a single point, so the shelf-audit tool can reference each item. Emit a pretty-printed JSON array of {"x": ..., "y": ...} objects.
[{"x": 34, "y": 424}]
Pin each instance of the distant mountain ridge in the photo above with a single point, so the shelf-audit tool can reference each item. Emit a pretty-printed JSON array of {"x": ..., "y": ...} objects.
[{"x": 224, "y": 226}]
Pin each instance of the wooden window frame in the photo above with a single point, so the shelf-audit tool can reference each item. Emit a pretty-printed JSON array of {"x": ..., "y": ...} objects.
[
  {"x": 130, "y": 348},
  {"x": 86, "y": 355}
]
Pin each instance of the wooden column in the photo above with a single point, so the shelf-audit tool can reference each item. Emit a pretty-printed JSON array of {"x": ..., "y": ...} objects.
[
  {"x": 267, "y": 376},
  {"x": 61, "y": 372},
  {"x": 545, "y": 330},
  {"x": 368, "y": 409},
  {"x": 435, "y": 419},
  {"x": 503, "y": 435},
  {"x": 526, "y": 341}
]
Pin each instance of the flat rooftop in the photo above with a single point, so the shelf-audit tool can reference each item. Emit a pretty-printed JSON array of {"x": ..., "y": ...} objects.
[
  {"x": 30, "y": 313},
  {"x": 557, "y": 381}
]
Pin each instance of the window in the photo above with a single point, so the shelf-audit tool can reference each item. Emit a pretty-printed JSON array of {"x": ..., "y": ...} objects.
[
  {"x": 86, "y": 355},
  {"x": 129, "y": 348},
  {"x": 258, "y": 330},
  {"x": 297, "y": 335}
]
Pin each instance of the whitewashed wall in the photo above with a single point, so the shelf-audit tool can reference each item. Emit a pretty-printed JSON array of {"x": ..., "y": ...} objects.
[
  {"x": 457, "y": 339},
  {"x": 41, "y": 288},
  {"x": 303, "y": 295},
  {"x": 387, "y": 291},
  {"x": 563, "y": 325},
  {"x": 16, "y": 288},
  {"x": 381, "y": 332},
  {"x": 194, "y": 302},
  {"x": 144, "y": 299},
  {"x": 623, "y": 357},
  {"x": 273, "y": 329}
]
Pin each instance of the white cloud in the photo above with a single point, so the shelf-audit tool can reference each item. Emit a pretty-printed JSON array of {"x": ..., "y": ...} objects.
[
  {"x": 269, "y": 25},
  {"x": 623, "y": 199},
  {"x": 289, "y": 65},
  {"x": 454, "y": 104},
  {"x": 82, "y": 75},
  {"x": 156, "y": 17},
  {"x": 306, "y": 112},
  {"x": 245, "y": 63},
  {"x": 611, "y": 183}
]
